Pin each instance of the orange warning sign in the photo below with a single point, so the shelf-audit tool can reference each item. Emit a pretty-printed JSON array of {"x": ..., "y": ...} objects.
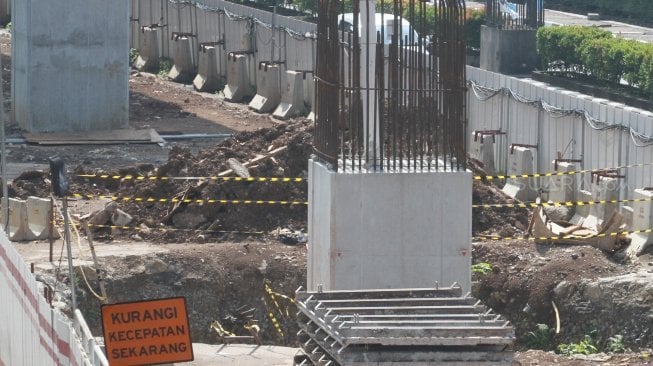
[{"x": 147, "y": 332}]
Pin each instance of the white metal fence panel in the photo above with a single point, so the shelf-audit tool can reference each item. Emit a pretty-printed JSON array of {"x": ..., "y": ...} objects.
[
  {"x": 600, "y": 133},
  {"x": 235, "y": 24},
  {"x": 32, "y": 333}
]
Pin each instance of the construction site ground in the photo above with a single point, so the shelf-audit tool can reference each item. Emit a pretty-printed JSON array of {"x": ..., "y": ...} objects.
[{"x": 224, "y": 256}]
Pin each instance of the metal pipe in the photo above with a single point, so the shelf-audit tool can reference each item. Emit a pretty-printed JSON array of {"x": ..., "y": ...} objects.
[{"x": 71, "y": 272}]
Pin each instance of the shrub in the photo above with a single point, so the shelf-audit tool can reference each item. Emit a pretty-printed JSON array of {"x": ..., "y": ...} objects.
[
  {"x": 473, "y": 21},
  {"x": 540, "y": 338},
  {"x": 596, "y": 53},
  {"x": 585, "y": 347},
  {"x": 165, "y": 64},
  {"x": 615, "y": 344},
  {"x": 482, "y": 268},
  {"x": 133, "y": 55}
]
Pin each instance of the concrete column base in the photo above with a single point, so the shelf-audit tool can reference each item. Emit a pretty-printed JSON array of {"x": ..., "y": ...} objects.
[
  {"x": 388, "y": 230},
  {"x": 508, "y": 51}
]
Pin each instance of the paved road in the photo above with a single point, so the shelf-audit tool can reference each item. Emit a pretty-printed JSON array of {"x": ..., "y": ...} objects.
[{"x": 554, "y": 17}]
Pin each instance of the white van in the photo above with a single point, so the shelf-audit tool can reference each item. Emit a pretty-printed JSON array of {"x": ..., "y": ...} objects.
[{"x": 346, "y": 23}]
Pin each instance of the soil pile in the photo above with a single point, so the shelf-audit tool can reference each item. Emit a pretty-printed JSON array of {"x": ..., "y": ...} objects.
[{"x": 198, "y": 220}]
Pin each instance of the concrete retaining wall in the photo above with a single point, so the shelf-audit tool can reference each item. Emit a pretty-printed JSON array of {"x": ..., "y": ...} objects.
[
  {"x": 32, "y": 333},
  {"x": 70, "y": 65},
  {"x": 538, "y": 114}
]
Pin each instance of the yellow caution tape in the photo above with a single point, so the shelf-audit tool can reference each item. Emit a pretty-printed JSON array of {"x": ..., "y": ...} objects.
[
  {"x": 188, "y": 200},
  {"x": 558, "y": 204},
  {"x": 554, "y": 174},
  {"x": 214, "y": 178},
  {"x": 272, "y": 298},
  {"x": 271, "y": 316},
  {"x": 299, "y": 179},
  {"x": 136, "y": 228},
  {"x": 222, "y": 332},
  {"x": 288, "y": 298},
  {"x": 561, "y": 237}
]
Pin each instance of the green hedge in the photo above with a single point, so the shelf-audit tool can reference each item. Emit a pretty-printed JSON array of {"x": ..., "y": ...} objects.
[
  {"x": 596, "y": 53},
  {"x": 641, "y": 10}
]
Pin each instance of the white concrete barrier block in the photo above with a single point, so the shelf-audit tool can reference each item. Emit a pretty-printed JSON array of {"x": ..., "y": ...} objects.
[
  {"x": 39, "y": 218},
  {"x": 562, "y": 188},
  {"x": 183, "y": 68},
  {"x": 208, "y": 77},
  {"x": 239, "y": 78},
  {"x": 628, "y": 213},
  {"x": 605, "y": 189},
  {"x": 268, "y": 88},
  {"x": 148, "y": 53},
  {"x": 520, "y": 161},
  {"x": 17, "y": 228},
  {"x": 582, "y": 211},
  {"x": 292, "y": 99},
  {"x": 309, "y": 87},
  {"x": 482, "y": 150},
  {"x": 642, "y": 220}
]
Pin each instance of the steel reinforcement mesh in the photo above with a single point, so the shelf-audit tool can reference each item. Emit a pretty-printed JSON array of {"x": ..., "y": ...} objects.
[{"x": 397, "y": 102}]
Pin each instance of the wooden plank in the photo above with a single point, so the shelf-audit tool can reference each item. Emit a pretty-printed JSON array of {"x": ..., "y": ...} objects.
[
  {"x": 148, "y": 135},
  {"x": 255, "y": 160}
]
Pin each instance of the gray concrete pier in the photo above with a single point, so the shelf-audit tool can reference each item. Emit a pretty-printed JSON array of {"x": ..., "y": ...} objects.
[{"x": 70, "y": 65}]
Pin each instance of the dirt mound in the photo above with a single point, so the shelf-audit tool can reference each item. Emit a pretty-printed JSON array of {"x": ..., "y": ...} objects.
[
  {"x": 198, "y": 218},
  {"x": 524, "y": 275}
]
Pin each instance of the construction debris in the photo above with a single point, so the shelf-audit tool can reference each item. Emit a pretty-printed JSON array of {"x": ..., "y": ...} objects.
[{"x": 604, "y": 237}]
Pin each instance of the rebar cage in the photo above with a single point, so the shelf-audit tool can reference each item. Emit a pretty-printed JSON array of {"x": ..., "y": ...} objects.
[
  {"x": 515, "y": 14},
  {"x": 390, "y": 86}
]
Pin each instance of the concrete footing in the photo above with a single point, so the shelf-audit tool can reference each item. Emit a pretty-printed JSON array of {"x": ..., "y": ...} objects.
[
  {"x": 562, "y": 188},
  {"x": 606, "y": 189},
  {"x": 183, "y": 69},
  {"x": 582, "y": 211},
  {"x": 240, "y": 76},
  {"x": 148, "y": 54},
  {"x": 292, "y": 99},
  {"x": 268, "y": 88},
  {"x": 388, "y": 230},
  {"x": 211, "y": 66},
  {"x": 520, "y": 161},
  {"x": 482, "y": 150},
  {"x": 642, "y": 220}
]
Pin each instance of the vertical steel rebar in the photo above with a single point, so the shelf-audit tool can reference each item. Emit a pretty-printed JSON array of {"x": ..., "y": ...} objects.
[{"x": 418, "y": 88}]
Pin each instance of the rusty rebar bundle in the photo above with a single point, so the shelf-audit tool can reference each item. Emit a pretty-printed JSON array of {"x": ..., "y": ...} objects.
[{"x": 397, "y": 104}]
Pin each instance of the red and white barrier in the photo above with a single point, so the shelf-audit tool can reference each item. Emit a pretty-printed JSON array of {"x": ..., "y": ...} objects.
[{"x": 32, "y": 333}]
